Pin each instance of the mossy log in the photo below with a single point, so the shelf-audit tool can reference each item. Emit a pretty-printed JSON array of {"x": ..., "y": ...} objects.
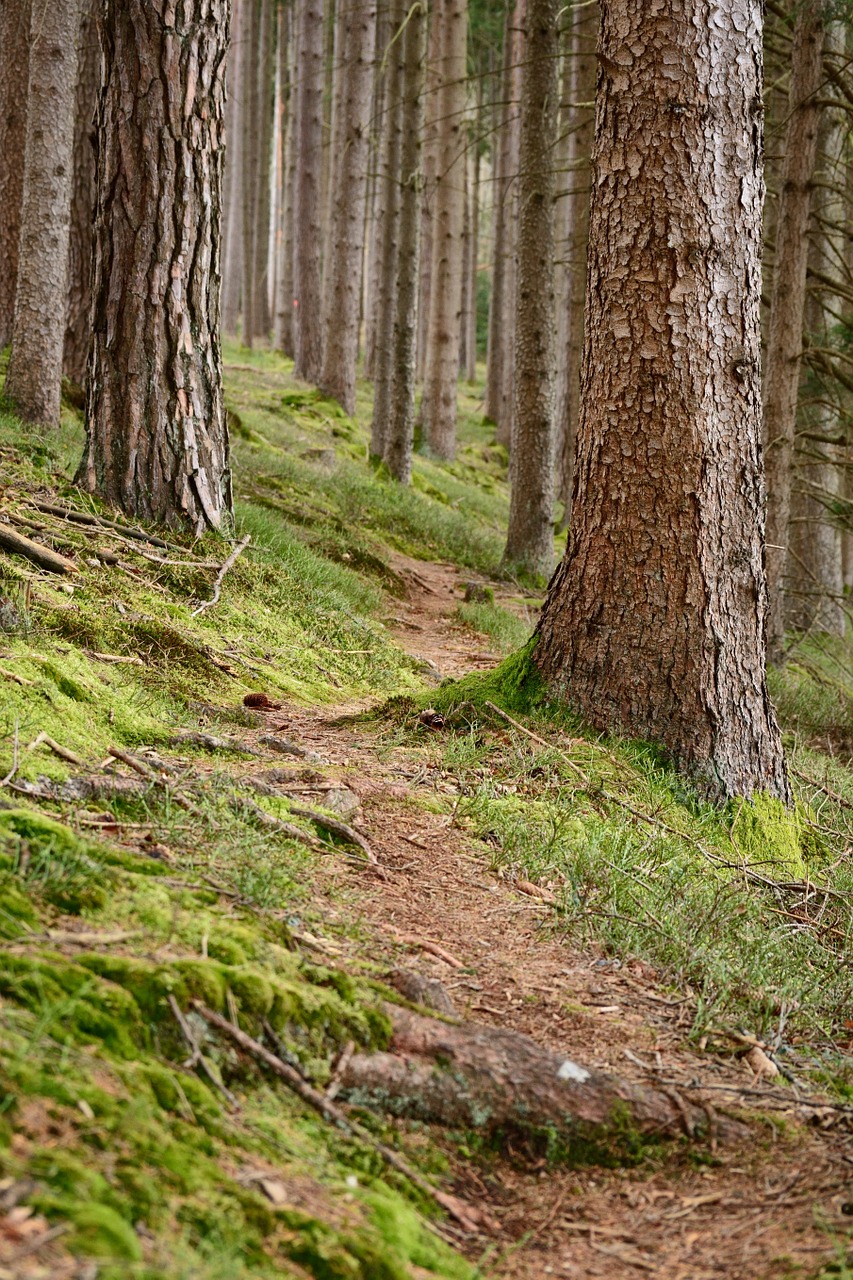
[{"x": 501, "y": 1083}]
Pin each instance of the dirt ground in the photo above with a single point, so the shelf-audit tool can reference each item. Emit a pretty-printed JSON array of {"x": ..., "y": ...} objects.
[{"x": 774, "y": 1207}]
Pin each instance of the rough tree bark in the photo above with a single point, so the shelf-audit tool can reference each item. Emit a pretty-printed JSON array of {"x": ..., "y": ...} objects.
[
  {"x": 248, "y": 112},
  {"x": 493, "y": 407},
  {"x": 442, "y": 361},
  {"x": 654, "y": 623},
  {"x": 232, "y": 199},
  {"x": 530, "y": 536},
  {"x": 262, "y": 178},
  {"x": 787, "y": 307},
  {"x": 374, "y": 212},
  {"x": 307, "y": 218},
  {"x": 399, "y": 436},
  {"x": 76, "y": 347},
  {"x": 156, "y": 437},
  {"x": 342, "y": 284},
  {"x": 34, "y": 380},
  {"x": 14, "y": 79},
  {"x": 388, "y": 203},
  {"x": 284, "y": 320},
  {"x": 430, "y": 170}
]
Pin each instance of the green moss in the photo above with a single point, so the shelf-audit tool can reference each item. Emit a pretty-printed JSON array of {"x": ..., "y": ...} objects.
[
  {"x": 515, "y": 686},
  {"x": 767, "y": 833},
  {"x": 101, "y": 1232}
]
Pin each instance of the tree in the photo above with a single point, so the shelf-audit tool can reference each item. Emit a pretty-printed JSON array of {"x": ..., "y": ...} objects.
[
  {"x": 82, "y": 198},
  {"x": 442, "y": 363},
  {"x": 530, "y": 538},
  {"x": 787, "y": 307},
  {"x": 14, "y": 79},
  {"x": 342, "y": 284},
  {"x": 399, "y": 433},
  {"x": 307, "y": 219},
  {"x": 156, "y": 437},
  {"x": 232, "y": 192},
  {"x": 654, "y": 623},
  {"x": 262, "y": 177},
  {"x": 247, "y": 112}
]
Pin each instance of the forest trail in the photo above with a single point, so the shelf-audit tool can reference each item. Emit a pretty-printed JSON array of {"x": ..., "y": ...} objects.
[{"x": 771, "y": 1209}]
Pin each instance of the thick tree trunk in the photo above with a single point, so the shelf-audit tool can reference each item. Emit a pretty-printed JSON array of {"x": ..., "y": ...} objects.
[
  {"x": 654, "y": 623},
  {"x": 262, "y": 322},
  {"x": 248, "y": 111},
  {"x": 157, "y": 442},
  {"x": 501, "y": 1083},
  {"x": 389, "y": 204},
  {"x": 34, "y": 380},
  {"x": 787, "y": 308},
  {"x": 399, "y": 435},
  {"x": 14, "y": 80},
  {"x": 77, "y": 320},
  {"x": 232, "y": 200},
  {"x": 307, "y": 219},
  {"x": 342, "y": 285},
  {"x": 442, "y": 361},
  {"x": 530, "y": 538}
]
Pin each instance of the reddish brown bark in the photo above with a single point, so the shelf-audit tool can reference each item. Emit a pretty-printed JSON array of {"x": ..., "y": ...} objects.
[{"x": 77, "y": 321}]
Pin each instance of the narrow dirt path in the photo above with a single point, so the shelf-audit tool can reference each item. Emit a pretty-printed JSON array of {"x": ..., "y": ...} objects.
[{"x": 771, "y": 1209}]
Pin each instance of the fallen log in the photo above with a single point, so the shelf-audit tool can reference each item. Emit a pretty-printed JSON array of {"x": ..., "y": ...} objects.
[
  {"x": 35, "y": 552},
  {"x": 500, "y": 1082}
]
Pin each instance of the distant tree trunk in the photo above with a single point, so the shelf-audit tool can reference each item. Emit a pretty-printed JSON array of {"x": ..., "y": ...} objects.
[
  {"x": 34, "y": 379},
  {"x": 156, "y": 437},
  {"x": 430, "y": 170},
  {"x": 232, "y": 202},
  {"x": 342, "y": 285},
  {"x": 77, "y": 321},
  {"x": 14, "y": 79},
  {"x": 389, "y": 203},
  {"x": 263, "y": 177},
  {"x": 474, "y": 248},
  {"x": 815, "y": 573},
  {"x": 442, "y": 363},
  {"x": 654, "y": 623},
  {"x": 399, "y": 435},
  {"x": 307, "y": 219},
  {"x": 283, "y": 333},
  {"x": 333, "y": 58},
  {"x": 248, "y": 111},
  {"x": 374, "y": 217},
  {"x": 503, "y": 435},
  {"x": 530, "y": 538},
  {"x": 787, "y": 307}
]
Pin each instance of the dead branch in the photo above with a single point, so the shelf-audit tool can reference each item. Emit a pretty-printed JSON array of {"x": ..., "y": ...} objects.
[
  {"x": 56, "y": 748},
  {"x": 337, "y": 828},
  {"x": 4, "y": 782},
  {"x": 10, "y": 675},
  {"x": 466, "y": 1215},
  {"x": 217, "y": 586},
  {"x": 197, "y": 1058},
  {"x": 35, "y": 552},
  {"x": 212, "y": 743},
  {"x": 86, "y": 517}
]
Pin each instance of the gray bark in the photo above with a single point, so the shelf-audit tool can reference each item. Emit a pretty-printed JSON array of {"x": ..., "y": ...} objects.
[
  {"x": 262, "y": 178},
  {"x": 654, "y": 623},
  {"x": 248, "y": 112},
  {"x": 14, "y": 80},
  {"x": 34, "y": 380},
  {"x": 232, "y": 256},
  {"x": 530, "y": 538},
  {"x": 284, "y": 319},
  {"x": 307, "y": 219},
  {"x": 156, "y": 436}
]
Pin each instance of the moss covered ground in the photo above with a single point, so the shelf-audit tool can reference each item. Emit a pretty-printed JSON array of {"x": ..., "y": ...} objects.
[{"x": 111, "y": 904}]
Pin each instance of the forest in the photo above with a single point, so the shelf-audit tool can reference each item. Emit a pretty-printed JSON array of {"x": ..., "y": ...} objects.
[{"x": 426, "y": 639}]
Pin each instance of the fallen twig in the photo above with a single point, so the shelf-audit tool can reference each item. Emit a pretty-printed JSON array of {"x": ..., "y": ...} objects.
[
  {"x": 197, "y": 1058},
  {"x": 4, "y": 782},
  {"x": 118, "y": 657},
  {"x": 56, "y": 748},
  {"x": 337, "y": 828},
  {"x": 432, "y": 948},
  {"x": 468, "y": 1217},
  {"x": 217, "y": 586},
  {"x": 10, "y": 675},
  {"x": 85, "y": 517},
  {"x": 35, "y": 552},
  {"x": 212, "y": 743}
]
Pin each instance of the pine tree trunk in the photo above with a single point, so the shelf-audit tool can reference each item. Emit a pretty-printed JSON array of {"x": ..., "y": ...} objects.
[
  {"x": 389, "y": 203},
  {"x": 77, "y": 320},
  {"x": 442, "y": 362},
  {"x": 504, "y": 433},
  {"x": 474, "y": 249},
  {"x": 530, "y": 538},
  {"x": 14, "y": 79},
  {"x": 430, "y": 170},
  {"x": 262, "y": 322},
  {"x": 399, "y": 434},
  {"x": 248, "y": 111},
  {"x": 654, "y": 623},
  {"x": 373, "y": 213},
  {"x": 342, "y": 284},
  {"x": 283, "y": 276},
  {"x": 232, "y": 200},
  {"x": 500, "y": 216},
  {"x": 34, "y": 379},
  {"x": 787, "y": 308},
  {"x": 307, "y": 220},
  {"x": 285, "y": 320},
  {"x": 156, "y": 437}
]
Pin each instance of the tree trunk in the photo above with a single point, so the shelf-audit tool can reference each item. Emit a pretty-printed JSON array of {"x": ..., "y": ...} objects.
[
  {"x": 374, "y": 217},
  {"x": 156, "y": 437},
  {"x": 262, "y": 178},
  {"x": 34, "y": 380},
  {"x": 342, "y": 285},
  {"x": 530, "y": 538},
  {"x": 389, "y": 204},
  {"x": 14, "y": 79},
  {"x": 307, "y": 219},
  {"x": 474, "y": 246},
  {"x": 442, "y": 362},
  {"x": 232, "y": 201},
  {"x": 284, "y": 320},
  {"x": 77, "y": 320},
  {"x": 500, "y": 218},
  {"x": 654, "y": 623},
  {"x": 399, "y": 435},
  {"x": 430, "y": 170},
  {"x": 787, "y": 308},
  {"x": 248, "y": 111}
]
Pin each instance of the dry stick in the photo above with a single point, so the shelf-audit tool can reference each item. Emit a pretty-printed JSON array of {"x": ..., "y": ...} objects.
[
  {"x": 84, "y": 517},
  {"x": 337, "y": 828},
  {"x": 56, "y": 748},
  {"x": 10, "y": 675},
  {"x": 206, "y": 604},
  {"x": 466, "y": 1215},
  {"x": 198, "y": 1058},
  {"x": 4, "y": 782},
  {"x": 35, "y": 552},
  {"x": 832, "y": 795},
  {"x": 119, "y": 754}
]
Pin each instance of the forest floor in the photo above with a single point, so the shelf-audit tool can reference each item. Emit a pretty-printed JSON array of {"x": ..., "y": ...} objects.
[{"x": 566, "y": 887}]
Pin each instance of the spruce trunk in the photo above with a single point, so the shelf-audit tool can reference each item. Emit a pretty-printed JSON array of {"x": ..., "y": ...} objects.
[
  {"x": 307, "y": 218},
  {"x": 14, "y": 80},
  {"x": 77, "y": 320}
]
